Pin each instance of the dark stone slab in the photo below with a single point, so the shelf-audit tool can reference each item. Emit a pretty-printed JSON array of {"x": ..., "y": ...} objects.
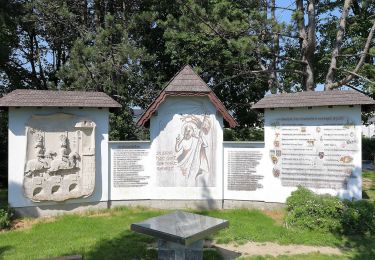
[{"x": 180, "y": 227}]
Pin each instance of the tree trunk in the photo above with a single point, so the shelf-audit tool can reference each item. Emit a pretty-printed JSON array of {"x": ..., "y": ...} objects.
[
  {"x": 97, "y": 16},
  {"x": 311, "y": 45},
  {"x": 273, "y": 83},
  {"x": 340, "y": 34},
  {"x": 31, "y": 58},
  {"x": 84, "y": 11},
  {"x": 43, "y": 79},
  {"x": 307, "y": 42}
]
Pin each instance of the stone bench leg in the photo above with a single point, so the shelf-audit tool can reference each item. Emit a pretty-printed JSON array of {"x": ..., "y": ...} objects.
[{"x": 173, "y": 251}]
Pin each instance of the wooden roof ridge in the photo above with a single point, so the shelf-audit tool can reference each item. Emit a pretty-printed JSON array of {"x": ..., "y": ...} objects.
[
  {"x": 314, "y": 99},
  {"x": 57, "y": 98},
  {"x": 186, "y": 82}
]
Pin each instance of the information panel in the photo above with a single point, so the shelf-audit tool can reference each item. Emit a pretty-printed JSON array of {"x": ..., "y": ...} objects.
[
  {"x": 128, "y": 168},
  {"x": 242, "y": 170},
  {"x": 130, "y": 178},
  {"x": 243, "y": 173},
  {"x": 314, "y": 151}
]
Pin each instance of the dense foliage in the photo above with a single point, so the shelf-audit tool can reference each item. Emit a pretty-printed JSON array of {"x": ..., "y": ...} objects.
[
  {"x": 368, "y": 148},
  {"x": 6, "y": 216},
  {"x": 131, "y": 48},
  {"x": 3, "y": 149},
  {"x": 358, "y": 217},
  {"x": 308, "y": 210},
  {"x": 244, "y": 134}
]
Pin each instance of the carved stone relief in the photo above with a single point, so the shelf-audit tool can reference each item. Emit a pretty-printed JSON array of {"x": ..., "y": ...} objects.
[
  {"x": 188, "y": 158},
  {"x": 60, "y": 157}
]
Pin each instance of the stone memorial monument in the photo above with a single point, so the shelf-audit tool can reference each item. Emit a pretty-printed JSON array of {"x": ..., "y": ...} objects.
[
  {"x": 57, "y": 150},
  {"x": 60, "y": 158},
  {"x": 180, "y": 234},
  {"x": 182, "y": 164},
  {"x": 313, "y": 139}
]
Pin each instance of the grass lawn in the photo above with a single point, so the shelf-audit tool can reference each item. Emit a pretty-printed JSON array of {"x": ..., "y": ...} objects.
[
  {"x": 368, "y": 187},
  {"x": 106, "y": 235}
]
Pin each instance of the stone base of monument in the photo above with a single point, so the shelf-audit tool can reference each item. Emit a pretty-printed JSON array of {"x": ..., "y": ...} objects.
[
  {"x": 173, "y": 251},
  {"x": 180, "y": 234}
]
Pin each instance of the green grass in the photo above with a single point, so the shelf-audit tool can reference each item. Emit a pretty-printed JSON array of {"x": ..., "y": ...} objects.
[
  {"x": 368, "y": 189},
  {"x": 253, "y": 225},
  {"x": 369, "y": 174},
  {"x": 107, "y": 235},
  {"x": 95, "y": 237}
]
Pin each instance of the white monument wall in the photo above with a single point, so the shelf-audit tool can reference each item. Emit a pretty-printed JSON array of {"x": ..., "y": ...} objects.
[
  {"x": 319, "y": 148},
  {"x": 244, "y": 171},
  {"x": 131, "y": 170},
  {"x": 186, "y": 150},
  {"x": 18, "y": 120}
]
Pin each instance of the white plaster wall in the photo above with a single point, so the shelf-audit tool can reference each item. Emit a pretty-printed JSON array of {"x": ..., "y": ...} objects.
[
  {"x": 165, "y": 120},
  {"x": 18, "y": 117},
  {"x": 273, "y": 190},
  {"x": 130, "y": 193}
]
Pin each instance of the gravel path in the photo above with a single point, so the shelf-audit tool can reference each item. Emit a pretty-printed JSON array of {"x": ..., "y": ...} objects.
[{"x": 231, "y": 251}]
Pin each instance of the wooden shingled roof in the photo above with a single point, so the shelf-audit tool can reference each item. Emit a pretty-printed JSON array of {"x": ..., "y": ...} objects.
[
  {"x": 186, "y": 83},
  {"x": 54, "y": 98},
  {"x": 314, "y": 99}
]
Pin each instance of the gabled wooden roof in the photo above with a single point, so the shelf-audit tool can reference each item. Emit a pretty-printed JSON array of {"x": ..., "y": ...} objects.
[
  {"x": 186, "y": 83},
  {"x": 56, "y": 98},
  {"x": 314, "y": 99}
]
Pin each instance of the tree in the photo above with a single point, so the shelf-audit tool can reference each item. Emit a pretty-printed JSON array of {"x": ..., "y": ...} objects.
[
  {"x": 11, "y": 72},
  {"x": 130, "y": 48},
  {"x": 106, "y": 60},
  {"x": 356, "y": 45},
  {"x": 221, "y": 39}
]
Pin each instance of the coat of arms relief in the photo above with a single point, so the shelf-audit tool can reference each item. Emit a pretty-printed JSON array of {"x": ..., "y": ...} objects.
[{"x": 60, "y": 157}]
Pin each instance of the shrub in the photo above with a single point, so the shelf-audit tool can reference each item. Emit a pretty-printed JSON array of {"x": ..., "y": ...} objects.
[
  {"x": 308, "y": 210},
  {"x": 368, "y": 148},
  {"x": 358, "y": 217},
  {"x": 6, "y": 216}
]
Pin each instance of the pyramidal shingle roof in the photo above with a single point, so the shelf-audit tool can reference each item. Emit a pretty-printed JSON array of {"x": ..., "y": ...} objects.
[
  {"x": 187, "y": 80},
  {"x": 186, "y": 83}
]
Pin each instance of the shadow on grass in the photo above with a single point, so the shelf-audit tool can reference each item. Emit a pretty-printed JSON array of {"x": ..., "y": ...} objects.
[
  {"x": 3, "y": 249},
  {"x": 365, "y": 195},
  {"x": 361, "y": 247},
  {"x": 126, "y": 246},
  {"x": 136, "y": 246}
]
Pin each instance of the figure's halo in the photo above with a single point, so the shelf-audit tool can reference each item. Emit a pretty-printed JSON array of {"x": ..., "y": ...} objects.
[{"x": 186, "y": 125}]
